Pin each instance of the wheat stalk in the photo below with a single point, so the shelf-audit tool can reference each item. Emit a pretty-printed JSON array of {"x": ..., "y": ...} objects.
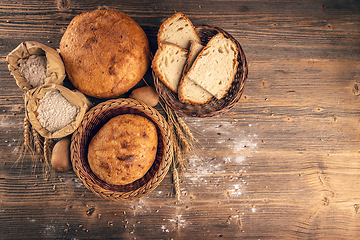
[
  {"x": 27, "y": 134},
  {"x": 183, "y": 132},
  {"x": 182, "y": 144},
  {"x": 179, "y": 159},
  {"x": 47, "y": 154},
  {"x": 183, "y": 140},
  {"x": 25, "y": 141},
  {"x": 37, "y": 142},
  {"x": 176, "y": 181},
  {"x": 185, "y": 127},
  {"x": 37, "y": 148}
]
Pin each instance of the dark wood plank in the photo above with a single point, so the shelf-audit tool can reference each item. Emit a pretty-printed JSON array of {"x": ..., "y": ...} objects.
[{"x": 283, "y": 163}]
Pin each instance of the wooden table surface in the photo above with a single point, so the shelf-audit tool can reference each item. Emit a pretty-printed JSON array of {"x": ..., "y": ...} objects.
[{"x": 283, "y": 163}]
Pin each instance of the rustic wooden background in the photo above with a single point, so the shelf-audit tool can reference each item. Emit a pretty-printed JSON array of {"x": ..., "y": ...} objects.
[{"x": 283, "y": 163}]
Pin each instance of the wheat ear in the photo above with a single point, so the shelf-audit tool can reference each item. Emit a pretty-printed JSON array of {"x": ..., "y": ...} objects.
[
  {"x": 184, "y": 142},
  {"x": 37, "y": 149},
  {"x": 25, "y": 144},
  {"x": 185, "y": 127},
  {"x": 37, "y": 142},
  {"x": 47, "y": 154},
  {"x": 27, "y": 134},
  {"x": 181, "y": 136},
  {"x": 176, "y": 181}
]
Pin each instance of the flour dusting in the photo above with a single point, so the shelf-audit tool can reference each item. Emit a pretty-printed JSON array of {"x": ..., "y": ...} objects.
[
  {"x": 49, "y": 231},
  {"x": 179, "y": 221},
  {"x": 213, "y": 169},
  {"x": 78, "y": 183},
  {"x": 9, "y": 124},
  {"x": 236, "y": 190},
  {"x": 164, "y": 229},
  {"x": 140, "y": 206}
]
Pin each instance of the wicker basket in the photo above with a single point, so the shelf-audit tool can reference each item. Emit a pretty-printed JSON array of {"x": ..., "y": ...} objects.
[
  {"x": 214, "y": 106},
  {"x": 91, "y": 124}
]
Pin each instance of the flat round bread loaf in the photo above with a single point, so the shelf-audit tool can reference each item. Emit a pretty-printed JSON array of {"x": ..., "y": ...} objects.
[
  {"x": 124, "y": 149},
  {"x": 105, "y": 53}
]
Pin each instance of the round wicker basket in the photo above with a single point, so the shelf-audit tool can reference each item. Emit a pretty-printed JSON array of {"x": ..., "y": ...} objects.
[
  {"x": 94, "y": 119},
  {"x": 214, "y": 106}
]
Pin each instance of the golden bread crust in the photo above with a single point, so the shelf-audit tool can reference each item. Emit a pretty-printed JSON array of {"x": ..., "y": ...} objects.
[
  {"x": 124, "y": 149},
  {"x": 105, "y": 53}
]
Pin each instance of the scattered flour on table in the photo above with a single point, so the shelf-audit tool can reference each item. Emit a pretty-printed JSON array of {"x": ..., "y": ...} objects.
[
  {"x": 55, "y": 111},
  {"x": 31, "y": 219},
  {"x": 140, "y": 206},
  {"x": 208, "y": 170},
  {"x": 48, "y": 231},
  {"x": 10, "y": 124},
  {"x": 236, "y": 190},
  {"x": 179, "y": 221},
  {"x": 164, "y": 229},
  {"x": 176, "y": 222},
  {"x": 78, "y": 183},
  {"x": 33, "y": 69}
]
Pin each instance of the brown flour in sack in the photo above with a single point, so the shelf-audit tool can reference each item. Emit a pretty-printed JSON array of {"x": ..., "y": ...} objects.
[
  {"x": 33, "y": 69},
  {"x": 23, "y": 55}
]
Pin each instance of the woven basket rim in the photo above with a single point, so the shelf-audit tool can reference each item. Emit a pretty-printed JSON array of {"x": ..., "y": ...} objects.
[
  {"x": 94, "y": 119},
  {"x": 214, "y": 107}
]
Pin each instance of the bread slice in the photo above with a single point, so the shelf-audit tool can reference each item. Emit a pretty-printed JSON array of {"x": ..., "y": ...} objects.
[
  {"x": 195, "y": 49},
  {"x": 168, "y": 64},
  {"x": 192, "y": 93},
  {"x": 216, "y": 65},
  {"x": 179, "y": 30},
  {"x": 189, "y": 91}
]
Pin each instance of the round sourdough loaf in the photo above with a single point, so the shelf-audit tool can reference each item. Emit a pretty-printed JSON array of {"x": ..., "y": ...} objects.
[
  {"x": 105, "y": 53},
  {"x": 124, "y": 149}
]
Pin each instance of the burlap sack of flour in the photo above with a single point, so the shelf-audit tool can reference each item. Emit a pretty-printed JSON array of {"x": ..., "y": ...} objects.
[
  {"x": 55, "y": 109},
  {"x": 55, "y": 70}
]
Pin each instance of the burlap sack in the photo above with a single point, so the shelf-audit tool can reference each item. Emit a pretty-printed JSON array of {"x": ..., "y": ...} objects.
[
  {"x": 75, "y": 97},
  {"x": 55, "y": 67}
]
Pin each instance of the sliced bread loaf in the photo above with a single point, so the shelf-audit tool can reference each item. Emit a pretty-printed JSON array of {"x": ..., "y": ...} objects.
[
  {"x": 179, "y": 30},
  {"x": 215, "y": 67},
  {"x": 192, "y": 93},
  {"x": 195, "y": 49},
  {"x": 189, "y": 91},
  {"x": 168, "y": 64}
]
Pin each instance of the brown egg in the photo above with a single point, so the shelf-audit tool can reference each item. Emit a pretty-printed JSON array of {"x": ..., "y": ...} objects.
[
  {"x": 60, "y": 158},
  {"x": 147, "y": 95}
]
